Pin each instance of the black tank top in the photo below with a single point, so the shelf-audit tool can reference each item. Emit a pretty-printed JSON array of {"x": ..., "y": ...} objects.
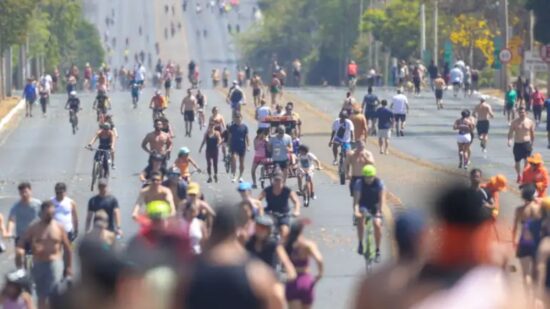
[
  {"x": 105, "y": 142},
  {"x": 200, "y": 101},
  {"x": 214, "y": 286},
  {"x": 277, "y": 203},
  {"x": 211, "y": 143}
]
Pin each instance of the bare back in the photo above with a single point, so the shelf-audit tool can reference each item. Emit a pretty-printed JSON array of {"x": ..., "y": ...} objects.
[
  {"x": 358, "y": 159},
  {"x": 483, "y": 111}
]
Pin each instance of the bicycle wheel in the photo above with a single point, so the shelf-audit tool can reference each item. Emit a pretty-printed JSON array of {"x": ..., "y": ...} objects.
[
  {"x": 262, "y": 177},
  {"x": 227, "y": 163},
  {"x": 369, "y": 251},
  {"x": 95, "y": 174},
  {"x": 342, "y": 171},
  {"x": 305, "y": 195}
]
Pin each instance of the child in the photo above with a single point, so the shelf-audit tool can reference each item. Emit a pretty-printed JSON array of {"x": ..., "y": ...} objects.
[
  {"x": 295, "y": 146},
  {"x": 260, "y": 153},
  {"x": 15, "y": 293},
  {"x": 305, "y": 164},
  {"x": 183, "y": 161}
]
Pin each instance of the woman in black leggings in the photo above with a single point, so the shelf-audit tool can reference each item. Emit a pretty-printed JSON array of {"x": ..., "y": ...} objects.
[{"x": 212, "y": 139}]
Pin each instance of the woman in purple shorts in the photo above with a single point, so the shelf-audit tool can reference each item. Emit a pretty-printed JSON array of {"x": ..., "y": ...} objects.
[{"x": 299, "y": 293}]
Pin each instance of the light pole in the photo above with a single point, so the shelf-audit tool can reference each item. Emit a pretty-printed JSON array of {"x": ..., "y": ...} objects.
[
  {"x": 505, "y": 38},
  {"x": 436, "y": 17}
]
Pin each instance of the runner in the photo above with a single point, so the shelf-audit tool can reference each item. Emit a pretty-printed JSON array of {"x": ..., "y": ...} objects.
[
  {"x": 179, "y": 76},
  {"x": 348, "y": 104},
  {"x": 51, "y": 253},
  {"x": 307, "y": 161},
  {"x": 464, "y": 138},
  {"x": 274, "y": 88},
  {"x": 29, "y": 93},
  {"x": 299, "y": 292},
  {"x": 236, "y": 97},
  {"x": 260, "y": 152},
  {"x": 400, "y": 108},
  {"x": 167, "y": 77},
  {"x": 277, "y": 197},
  {"x": 482, "y": 112},
  {"x": 439, "y": 85},
  {"x": 355, "y": 161},
  {"x": 198, "y": 233},
  {"x": 65, "y": 211},
  {"x": 257, "y": 85},
  {"x": 154, "y": 192},
  {"x": 537, "y": 99},
  {"x": 215, "y": 75},
  {"x": 212, "y": 139},
  {"x": 370, "y": 103},
  {"x": 183, "y": 162},
  {"x": 280, "y": 148},
  {"x": 487, "y": 202},
  {"x": 369, "y": 195},
  {"x": 187, "y": 109},
  {"x": 510, "y": 104},
  {"x": 201, "y": 104},
  {"x": 526, "y": 231},
  {"x": 106, "y": 202},
  {"x": 261, "y": 113},
  {"x": 342, "y": 135},
  {"x": 217, "y": 120},
  {"x": 536, "y": 174},
  {"x": 22, "y": 214},
  {"x": 457, "y": 78},
  {"x": 225, "y": 78},
  {"x": 239, "y": 144},
  {"x": 158, "y": 142},
  {"x": 433, "y": 73},
  {"x": 196, "y": 198},
  {"x": 522, "y": 133},
  {"x": 44, "y": 94}
]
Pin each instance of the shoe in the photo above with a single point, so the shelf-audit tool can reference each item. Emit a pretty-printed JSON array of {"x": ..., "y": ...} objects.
[
  {"x": 335, "y": 162},
  {"x": 113, "y": 167},
  {"x": 234, "y": 180},
  {"x": 216, "y": 178},
  {"x": 460, "y": 164},
  {"x": 209, "y": 180},
  {"x": 401, "y": 132},
  {"x": 381, "y": 152},
  {"x": 377, "y": 256},
  {"x": 241, "y": 180},
  {"x": 299, "y": 193},
  {"x": 314, "y": 197},
  {"x": 360, "y": 248}
]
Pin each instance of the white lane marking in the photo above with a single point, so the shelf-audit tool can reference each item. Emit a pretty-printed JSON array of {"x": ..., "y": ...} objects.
[{"x": 18, "y": 107}]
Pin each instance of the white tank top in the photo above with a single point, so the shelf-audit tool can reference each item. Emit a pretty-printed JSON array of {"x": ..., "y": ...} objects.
[
  {"x": 195, "y": 234},
  {"x": 63, "y": 213}
]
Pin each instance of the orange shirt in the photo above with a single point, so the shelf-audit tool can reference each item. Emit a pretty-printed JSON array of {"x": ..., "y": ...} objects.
[
  {"x": 352, "y": 69},
  {"x": 359, "y": 125},
  {"x": 538, "y": 177}
]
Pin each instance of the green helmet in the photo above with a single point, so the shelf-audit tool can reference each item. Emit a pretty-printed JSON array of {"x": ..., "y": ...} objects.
[
  {"x": 183, "y": 151},
  {"x": 369, "y": 170},
  {"x": 158, "y": 209}
]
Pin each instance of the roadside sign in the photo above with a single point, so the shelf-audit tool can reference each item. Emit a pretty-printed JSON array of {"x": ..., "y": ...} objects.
[
  {"x": 533, "y": 62},
  {"x": 505, "y": 55},
  {"x": 545, "y": 52}
]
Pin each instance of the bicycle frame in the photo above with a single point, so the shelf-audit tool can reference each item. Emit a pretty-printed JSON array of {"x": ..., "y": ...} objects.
[{"x": 369, "y": 251}]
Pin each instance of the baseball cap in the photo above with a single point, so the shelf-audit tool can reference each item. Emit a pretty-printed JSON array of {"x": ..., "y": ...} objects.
[
  {"x": 264, "y": 221},
  {"x": 193, "y": 188},
  {"x": 244, "y": 186}
]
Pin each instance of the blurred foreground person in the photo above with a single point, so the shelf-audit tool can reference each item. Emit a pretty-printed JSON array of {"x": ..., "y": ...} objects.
[
  {"x": 383, "y": 289},
  {"x": 225, "y": 276},
  {"x": 543, "y": 257}
]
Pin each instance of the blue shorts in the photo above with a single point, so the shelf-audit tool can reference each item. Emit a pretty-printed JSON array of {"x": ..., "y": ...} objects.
[{"x": 345, "y": 145}]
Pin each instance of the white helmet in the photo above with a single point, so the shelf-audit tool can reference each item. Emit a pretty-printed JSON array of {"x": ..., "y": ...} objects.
[{"x": 72, "y": 93}]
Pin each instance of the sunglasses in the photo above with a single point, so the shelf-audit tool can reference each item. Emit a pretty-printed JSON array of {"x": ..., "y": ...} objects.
[{"x": 156, "y": 179}]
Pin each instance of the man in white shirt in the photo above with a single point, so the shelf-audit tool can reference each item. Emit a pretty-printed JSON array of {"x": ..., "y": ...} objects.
[
  {"x": 342, "y": 134},
  {"x": 261, "y": 113},
  {"x": 457, "y": 77},
  {"x": 400, "y": 108},
  {"x": 139, "y": 74}
]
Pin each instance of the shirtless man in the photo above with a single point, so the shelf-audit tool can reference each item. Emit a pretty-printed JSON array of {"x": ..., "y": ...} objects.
[
  {"x": 355, "y": 161},
  {"x": 482, "y": 112},
  {"x": 187, "y": 109},
  {"x": 439, "y": 85},
  {"x": 159, "y": 142},
  {"x": 154, "y": 192},
  {"x": 522, "y": 132},
  {"x": 49, "y": 244},
  {"x": 359, "y": 124},
  {"x": 257, "y": 85}
]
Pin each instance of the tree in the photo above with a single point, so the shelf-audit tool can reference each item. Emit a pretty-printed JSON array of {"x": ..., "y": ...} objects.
[
  {"x": 541, "y": 9},
  {"x": 472, "y": 32},
  {"x": 14, "y": 19}
]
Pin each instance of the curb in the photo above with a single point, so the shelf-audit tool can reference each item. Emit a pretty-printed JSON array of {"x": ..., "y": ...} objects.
[{"x": 17, "y": 108}]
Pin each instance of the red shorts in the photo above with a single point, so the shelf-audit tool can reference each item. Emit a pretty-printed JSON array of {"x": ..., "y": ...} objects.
[{"x": 258, "y": 160}]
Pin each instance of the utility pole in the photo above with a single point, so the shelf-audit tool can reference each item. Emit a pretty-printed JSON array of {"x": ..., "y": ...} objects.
[
  {"x": 532, "y": 42},
  {"x": 422, "y": 30},
  {"x": 361, "y": 9},
  {"x": 504, "y": 29},
  {"x": 436, "y": 41}
]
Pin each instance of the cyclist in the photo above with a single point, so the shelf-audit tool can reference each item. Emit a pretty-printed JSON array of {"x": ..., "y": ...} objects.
[
  {"x": 236, "y": 97},
  {"x": 73, "y": 105},
  {"x": 101, "y": 104},
  {"x": 51, "y": 253},
  {"x": 277, "y": 197},
  {"x": 187, "y": 109},
  {"x": 245, "y": 190},
  {"x": 16, "y": 293},
  {"x": 369, "y": 196},
  {"x": 296, "y": 123},
  {"x": 280, "y": 147},
  {"x": 107, "y": 141},
  {"x": 183, "y": 161},
  {"x": 158, "y": 104},
  {"x": 176, "y": 184},
  {"x": 306, "y": 160},
  {"x": 154, "y": 192},
  {"x": 22, "y": 214},
  {"x": 166, "y": 127},
  {"x": 342, "y": 135},
  {"x": 201, "y": 104},
  {"x": 158, "y": 142}
]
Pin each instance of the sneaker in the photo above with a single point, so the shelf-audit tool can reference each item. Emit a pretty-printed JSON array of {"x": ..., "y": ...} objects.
[
  {"x": 313, "y": 196},
  {"x": 241, "y": 180},
  {"x": 360, "y": 248},
  {"x": 234, "y": 180},
  {"x": 113, "y": 166},
  {"x": 377, "y": 256},
  {"x": 209, "y": 180},
  {"x": 335, "y": 162}
]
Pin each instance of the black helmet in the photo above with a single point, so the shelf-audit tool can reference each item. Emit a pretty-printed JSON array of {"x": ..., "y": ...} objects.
[{"x": 106, "y": 126}]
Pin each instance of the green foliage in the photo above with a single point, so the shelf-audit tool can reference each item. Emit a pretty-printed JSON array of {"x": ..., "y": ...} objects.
[
  {"x": 14, "y": 19},
  {"x": 38, "y": 33},
  {"x": 88, "y": 46},
  {"x": 397, "y": 27}
]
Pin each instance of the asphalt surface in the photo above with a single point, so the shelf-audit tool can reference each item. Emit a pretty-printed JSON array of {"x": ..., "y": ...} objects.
[{"x": 44, "y": 150}]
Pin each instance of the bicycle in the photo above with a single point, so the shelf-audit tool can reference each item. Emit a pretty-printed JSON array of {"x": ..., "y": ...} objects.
[
  {"x": 227, "y": 162},
  {"x": 158, "y": 113},
  {"x": 341, "y": 163},
  {"x": 73, "y": 119},
  {"x": 369, "y": 246},
  {"x": 305, "y": 188},
  {"x": 100, "y": 168},
  {"x": 101, "y": 113}
]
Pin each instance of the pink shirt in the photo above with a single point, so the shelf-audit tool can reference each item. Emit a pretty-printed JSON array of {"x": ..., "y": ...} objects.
[{"x": 260, "y": 148}]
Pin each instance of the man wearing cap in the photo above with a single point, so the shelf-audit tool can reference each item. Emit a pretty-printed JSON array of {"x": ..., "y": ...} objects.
[
  {"x": 482, "y": 112},
  {"x": 176, "y": 184},
  {"x": 280, "y": 146},
  {"x": 277, "y": 197},
  {"x": 158, "y": 141},
  {"x": 369, "y": 195},
  {"x": 105, "y": 202},
  {"x": 154, "y": 192},
  {"x": 195, "y": 198},
  {"x": 187, "y": 109},
  {"x": 535, "y": 173},
  {"x": 342, "y": 135},
  {"x": 239, "y": 144}
]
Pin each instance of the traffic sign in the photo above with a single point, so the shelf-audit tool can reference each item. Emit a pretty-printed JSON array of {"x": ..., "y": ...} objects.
[
  {"x": 532, "y": 62},
  {"x": 505, "y": 55},
  {"x": 545, "y": 52}
]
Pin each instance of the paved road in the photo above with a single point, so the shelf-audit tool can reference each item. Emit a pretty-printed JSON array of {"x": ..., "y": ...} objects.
[{"x": 43, "y": 150}]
